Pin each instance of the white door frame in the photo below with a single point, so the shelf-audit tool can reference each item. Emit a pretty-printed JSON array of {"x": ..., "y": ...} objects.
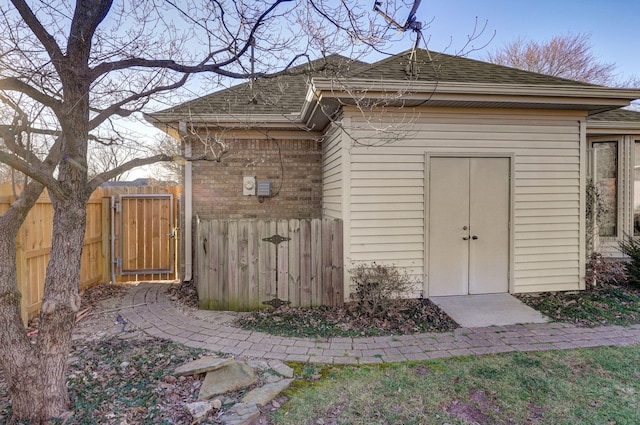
[{"x": 427, "y": 182}]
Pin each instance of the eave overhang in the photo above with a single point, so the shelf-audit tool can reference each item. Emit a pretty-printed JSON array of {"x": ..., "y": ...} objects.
[
  {"x": 325, "y": 97},
  {"x": 612, "y": 127}
]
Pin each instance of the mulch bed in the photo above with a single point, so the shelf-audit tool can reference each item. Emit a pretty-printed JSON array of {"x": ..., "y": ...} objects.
[
  {"x": 407, "y": 316},
  {"x": 611, "y": 304}
]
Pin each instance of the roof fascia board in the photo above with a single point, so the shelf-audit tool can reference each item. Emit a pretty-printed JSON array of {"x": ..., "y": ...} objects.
[
  {"x": 609, "y": 127},
  {"x": 217, "y": 120},
  {"x": 329, "y": 87}
]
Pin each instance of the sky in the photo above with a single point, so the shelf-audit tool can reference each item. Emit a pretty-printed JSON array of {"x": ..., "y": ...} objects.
[{"x": 612, "y": 25}]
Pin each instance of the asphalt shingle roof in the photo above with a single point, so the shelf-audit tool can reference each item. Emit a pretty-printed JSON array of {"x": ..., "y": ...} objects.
[
  {"x": 435, "y": 66},
  {"x": 623, "y": 115},
  {"x": 285, "y": 94},
  {"x": 279, "y": 95}
]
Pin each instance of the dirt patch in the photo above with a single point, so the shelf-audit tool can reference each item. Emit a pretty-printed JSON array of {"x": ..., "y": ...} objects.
[
  {"x": 482, "y": 405},
  {"x": 467, "y": 412},
  {"x": 421, "y": 370},
  {"x": 476, "y": 411}
]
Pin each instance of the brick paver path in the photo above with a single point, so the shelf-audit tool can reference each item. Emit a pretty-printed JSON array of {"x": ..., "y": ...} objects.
[{"x": 155, "y": 314}]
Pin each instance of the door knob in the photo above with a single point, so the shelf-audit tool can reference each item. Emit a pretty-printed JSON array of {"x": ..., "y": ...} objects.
[
  {"x": 474, "y": 237},
  {"x": 465, "y": 238}
]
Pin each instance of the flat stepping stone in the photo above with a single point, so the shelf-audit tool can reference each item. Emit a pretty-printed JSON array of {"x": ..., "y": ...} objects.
[
  {"x": 232, "y": 377},
  {"x": 241, "y": 414},
  {"x": 264, "y": 394},
  {"x": 281, "y": 368},
  {"x": 199, "y": 410},
  {"x": 202, "y": 365}
]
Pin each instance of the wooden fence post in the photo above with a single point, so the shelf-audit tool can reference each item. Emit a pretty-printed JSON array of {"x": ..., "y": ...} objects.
[
  {"x": 306, "y": 275},
  {"x": 105, "y": 228},
  {"x": 202, "y": 261},
  {"x": 253, "y": 284},
  {"x": 293, "y": 278},
  {"x": 317, "y": 281},
  {"x": 243, "y": 264},
  {"x": 327, "y": 283},
  {"x": 283, "y": 260}
]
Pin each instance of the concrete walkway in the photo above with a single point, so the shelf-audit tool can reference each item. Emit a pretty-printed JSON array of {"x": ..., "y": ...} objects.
[
  {"x": 151, "y": 310},
  {"x": 479, "y": 311}
]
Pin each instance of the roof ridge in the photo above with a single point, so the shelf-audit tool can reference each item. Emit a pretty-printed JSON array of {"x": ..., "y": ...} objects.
[
  {"x": 437, "y": 59},
  {"x": 284, "y": 73}
]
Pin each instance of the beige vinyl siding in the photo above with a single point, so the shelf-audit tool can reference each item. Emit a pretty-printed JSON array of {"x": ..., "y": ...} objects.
[
  {"x": 332, "y": 174},
  {"x": 387, "y": 208},
  {"x": 387, "y": 199}
]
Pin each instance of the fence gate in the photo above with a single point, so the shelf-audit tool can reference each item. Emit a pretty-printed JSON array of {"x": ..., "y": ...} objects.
[{"x": 143, "y": 237}]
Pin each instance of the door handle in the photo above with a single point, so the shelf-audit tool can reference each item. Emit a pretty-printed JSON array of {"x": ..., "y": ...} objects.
[
  {"x": 465, "y": 238},
  {"x": 474, "y": 237}
]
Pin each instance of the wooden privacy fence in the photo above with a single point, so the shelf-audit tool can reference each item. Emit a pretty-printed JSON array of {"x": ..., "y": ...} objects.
[
  {"x": 241, "y": 264},
  {"x": 33, "y": 243},
  {"x": 33, "y": 248}
]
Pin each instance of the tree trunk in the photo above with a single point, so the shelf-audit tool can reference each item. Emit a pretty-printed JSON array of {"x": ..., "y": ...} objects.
[
  {"x": 36, "y": 374},
  {"x": 15, "y": 349}
]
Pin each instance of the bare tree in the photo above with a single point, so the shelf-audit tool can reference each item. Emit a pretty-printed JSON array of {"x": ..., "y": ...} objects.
[
  {"x": 567, "y": 56},
  {"x": 83, "y": 64},
  {"x": 168, "y": 171},
  {"x": 102, "y": 158}
]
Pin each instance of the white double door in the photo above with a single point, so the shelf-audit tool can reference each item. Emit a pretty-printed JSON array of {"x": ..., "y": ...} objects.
[{"x": 468, "y": 226}]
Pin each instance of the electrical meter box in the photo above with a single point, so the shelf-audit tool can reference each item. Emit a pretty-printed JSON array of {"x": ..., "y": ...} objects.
[{"x": 249, "y": 185}]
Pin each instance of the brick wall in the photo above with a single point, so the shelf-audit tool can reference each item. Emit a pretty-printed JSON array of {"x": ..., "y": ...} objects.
[{"x": 292, "y": 166}]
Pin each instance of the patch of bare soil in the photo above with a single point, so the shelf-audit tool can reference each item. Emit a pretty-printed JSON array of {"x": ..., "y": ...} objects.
[
  {"x": 481, "y": 406},
  {"x": 468, "y": 412}
]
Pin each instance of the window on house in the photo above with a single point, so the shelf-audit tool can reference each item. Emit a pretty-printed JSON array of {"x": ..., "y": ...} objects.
[
  {"x": 636, "y": 189},
  {"x": 606, "y": 180}
]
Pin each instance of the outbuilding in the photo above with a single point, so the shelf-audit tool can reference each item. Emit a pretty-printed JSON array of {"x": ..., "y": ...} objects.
[{"x": 470, "y": 176}]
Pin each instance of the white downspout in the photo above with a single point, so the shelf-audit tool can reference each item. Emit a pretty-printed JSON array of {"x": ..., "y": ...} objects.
[{"x": 188, "y": 204}]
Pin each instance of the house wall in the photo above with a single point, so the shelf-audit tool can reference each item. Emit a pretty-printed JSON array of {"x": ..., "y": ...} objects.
[
  {"x": 332, "y": 173},
  {"x": 385, "y": 205},
  {"x": 290, "y": 160}
]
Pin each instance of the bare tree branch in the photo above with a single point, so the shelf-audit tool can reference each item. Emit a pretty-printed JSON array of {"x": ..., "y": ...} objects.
[
  {"x": 104, "y": 68},
  {"x": 47, "y": 40},
  {"x": 138, "y": 162},
  {"x": 117, "y": 108},
  {"x": 32, "y": 171},
  {"x": 18, "y": 85}
]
